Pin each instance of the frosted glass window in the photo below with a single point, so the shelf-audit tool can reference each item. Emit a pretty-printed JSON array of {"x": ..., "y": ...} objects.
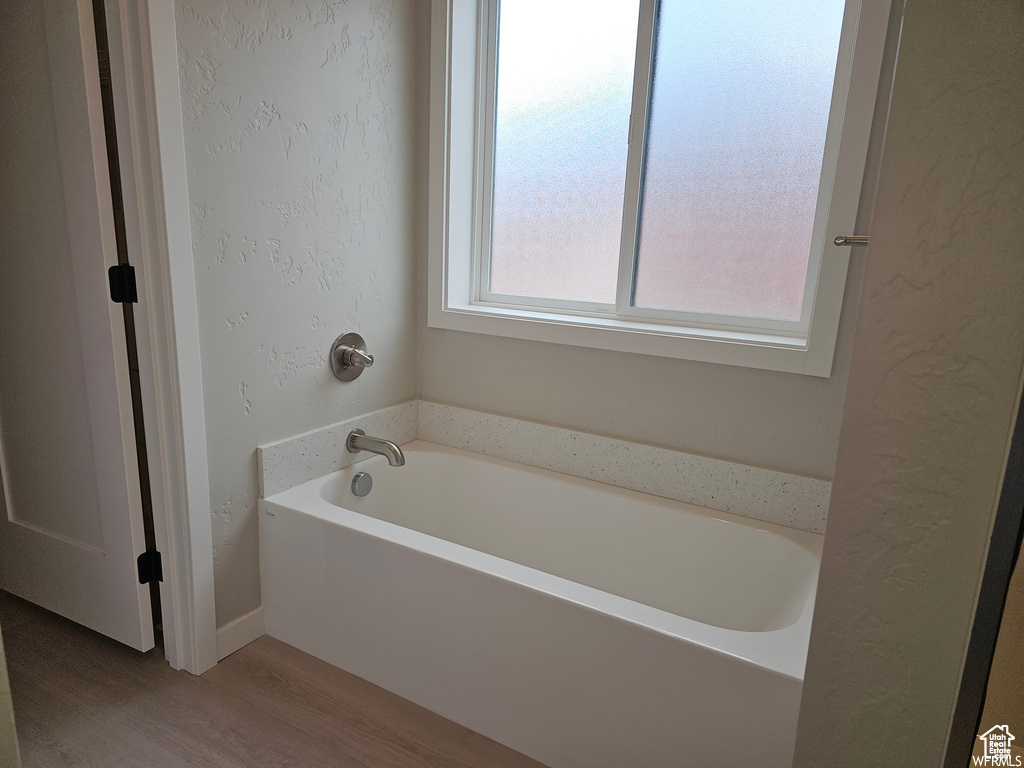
[
  {"x": 565, "y": 79},
  {"x": 739, "y": 108}
]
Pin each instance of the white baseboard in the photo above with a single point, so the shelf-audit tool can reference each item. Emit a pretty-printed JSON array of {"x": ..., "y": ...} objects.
[{"x": 239, "y": 633}]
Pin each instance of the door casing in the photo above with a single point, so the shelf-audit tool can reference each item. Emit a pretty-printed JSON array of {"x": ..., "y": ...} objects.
[{"x": 150, "y": 135}]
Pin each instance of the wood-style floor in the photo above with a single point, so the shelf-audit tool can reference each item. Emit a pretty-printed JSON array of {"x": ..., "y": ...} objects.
[{"x": 83, "y": 700}]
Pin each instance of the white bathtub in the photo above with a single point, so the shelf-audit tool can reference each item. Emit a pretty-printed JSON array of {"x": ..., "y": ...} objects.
[{"x": 583, "y": 625}]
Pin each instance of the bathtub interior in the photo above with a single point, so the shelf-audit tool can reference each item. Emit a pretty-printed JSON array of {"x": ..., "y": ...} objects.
[{"x": 706, "y": 566}]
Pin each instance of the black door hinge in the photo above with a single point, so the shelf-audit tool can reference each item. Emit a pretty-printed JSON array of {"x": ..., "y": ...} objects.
[
  {"x": 150, "y": 567},
  {"x": 122, "y": 284}
]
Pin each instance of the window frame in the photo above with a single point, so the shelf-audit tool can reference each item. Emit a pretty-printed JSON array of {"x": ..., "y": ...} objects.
[{"x": 463, "y": 63}]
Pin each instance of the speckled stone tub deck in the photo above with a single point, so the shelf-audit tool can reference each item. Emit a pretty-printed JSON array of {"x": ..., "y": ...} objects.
[{"x": 763, "y": 494}]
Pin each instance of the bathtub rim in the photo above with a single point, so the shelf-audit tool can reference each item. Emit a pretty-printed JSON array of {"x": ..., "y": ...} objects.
[{"x": 782, "y": 651}]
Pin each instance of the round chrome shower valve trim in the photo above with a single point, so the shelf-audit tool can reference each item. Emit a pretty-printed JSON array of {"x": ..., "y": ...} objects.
[{"x": 349, "y": 357}]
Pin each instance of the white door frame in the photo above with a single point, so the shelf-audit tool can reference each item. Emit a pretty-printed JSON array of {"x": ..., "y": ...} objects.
[{"x": 144, "y": 75}]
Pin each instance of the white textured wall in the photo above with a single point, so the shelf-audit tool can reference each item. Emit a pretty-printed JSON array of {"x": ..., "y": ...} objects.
[
  {"x": 301, "y": 135},
  {"x": 933, "y": 389}
]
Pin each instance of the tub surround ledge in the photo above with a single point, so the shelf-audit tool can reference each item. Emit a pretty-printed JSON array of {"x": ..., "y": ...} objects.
[
  {"x": 764, "y": 494},
  {"x": 755, "y": 492},
  {"x": 296, "y": 460}
]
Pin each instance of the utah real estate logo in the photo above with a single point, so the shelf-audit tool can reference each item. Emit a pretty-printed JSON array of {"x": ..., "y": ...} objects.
[{"x": 997, "y": 747}]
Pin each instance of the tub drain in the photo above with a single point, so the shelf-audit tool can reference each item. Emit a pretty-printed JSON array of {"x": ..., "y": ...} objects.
[{"x": 362, "y": 483}]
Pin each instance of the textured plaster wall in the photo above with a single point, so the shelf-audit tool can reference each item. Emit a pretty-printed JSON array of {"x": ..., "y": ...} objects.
[
  {"x": 933, "y": 388},
  {"x": 301, "y": 136}
]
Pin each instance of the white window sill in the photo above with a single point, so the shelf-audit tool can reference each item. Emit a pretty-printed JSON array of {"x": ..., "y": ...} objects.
[{"x": 742, "y": 348}]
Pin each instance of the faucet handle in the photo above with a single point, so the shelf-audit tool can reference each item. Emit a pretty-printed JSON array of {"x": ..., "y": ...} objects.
[
  {"x": 349, "y": 356},
  {"x": 356, "y": 356}
]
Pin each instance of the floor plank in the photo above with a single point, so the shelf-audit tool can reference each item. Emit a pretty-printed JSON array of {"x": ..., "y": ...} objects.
[
  {"x": 356, "y": 717},
  {"x": 14, "y": 611},
  {"x": 81, "y": 699}
]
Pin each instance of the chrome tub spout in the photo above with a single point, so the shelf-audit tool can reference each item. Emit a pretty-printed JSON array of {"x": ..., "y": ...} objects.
[{"x": 360, "y": 441}]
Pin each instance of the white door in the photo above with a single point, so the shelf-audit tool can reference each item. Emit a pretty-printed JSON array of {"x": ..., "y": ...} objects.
[{"x": 71, "y": 522}]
